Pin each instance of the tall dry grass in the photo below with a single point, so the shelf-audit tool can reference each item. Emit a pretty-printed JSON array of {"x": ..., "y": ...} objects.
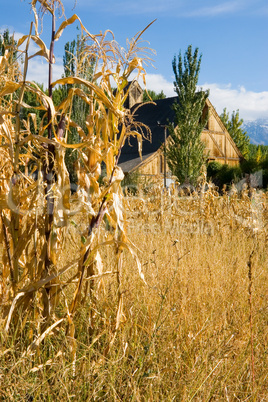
[
  {"x": 78, "y": 320},
  {"x": 191, "y": 333}
]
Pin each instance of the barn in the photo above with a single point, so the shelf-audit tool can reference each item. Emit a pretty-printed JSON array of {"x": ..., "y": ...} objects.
[{"x": 219, "y": 146}]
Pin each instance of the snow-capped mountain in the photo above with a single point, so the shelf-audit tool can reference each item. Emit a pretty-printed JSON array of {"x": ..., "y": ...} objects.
[{"x": 257, "y": 131}]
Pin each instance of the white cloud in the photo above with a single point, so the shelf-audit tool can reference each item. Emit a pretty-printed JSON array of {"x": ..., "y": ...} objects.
[
  {"x": 213, "y": 10},
  {"x": 37, "y": 66},
  {"x": 251, "y": 105},
  {"x": 38, "y": 71},
  {"x": 157, "y": 83}
]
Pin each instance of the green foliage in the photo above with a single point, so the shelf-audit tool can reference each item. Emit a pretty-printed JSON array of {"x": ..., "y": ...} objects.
[
  {"x": 76, "y": 65},
  {"x": 185, "y": 150},
  {"x": 229, "y": 174},
  {"x": 257, "y": 161},
  {"x": 250, "y": 165},
  {"x": 233, "y": 125},
  {"x": 130, "y": 183},
  {"x": 223, "y": 174},
  {"x": 7, "y": 41},
  {"x": 213, "y": 169},
  {"x": 152, "y": 95},
  {"x": 257, "y": 149},
  {"x": 68, "y": 59}
]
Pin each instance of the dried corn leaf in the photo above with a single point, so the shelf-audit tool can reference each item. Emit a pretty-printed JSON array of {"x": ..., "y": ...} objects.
[
  {"x": 10, "y": 87},
  {"x": 130, "y": 247},
  {"x": 13, "y": 305},
  {"x": 46, "y": 100},
  {"x": 68, "y": 22},
  {"x": 44, "y": 5},
  {"x": 118, "y": 208},
  {"x": 37, "y": 342},
  {"x": 44, "y": 52},
  {"x": 97, "y": 90}
]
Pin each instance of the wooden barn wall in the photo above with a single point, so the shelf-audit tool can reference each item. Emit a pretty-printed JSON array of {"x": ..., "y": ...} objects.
[
  {"x": 232, "y": 162},
  {"x": 152, "y": 167},
  {"x": 135, "y": 94},
  {"x": 219, "y": 145},
  {"x": 155, "y": 165},
  {"x": 218, "y": 148},
  {"x": 213, "y": 124}
]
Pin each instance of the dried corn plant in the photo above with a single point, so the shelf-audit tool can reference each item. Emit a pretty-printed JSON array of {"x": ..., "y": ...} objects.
[
  {"x": 38, "y": 211},
  {"x": 200, "y": 212}
]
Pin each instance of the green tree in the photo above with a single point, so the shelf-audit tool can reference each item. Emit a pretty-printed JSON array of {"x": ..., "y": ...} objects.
[
  {"x": 185, "y": 150},
  {"x": 234, "y": 127},
  {"x": 8, "y": 41},
  {"x": 254, "y": 149},
  {"x": 152, "y": 95},
  {"x": 75, "y": 64}
]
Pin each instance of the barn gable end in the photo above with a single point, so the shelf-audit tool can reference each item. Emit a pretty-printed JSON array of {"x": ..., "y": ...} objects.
[{"x": 219, "y": 144}]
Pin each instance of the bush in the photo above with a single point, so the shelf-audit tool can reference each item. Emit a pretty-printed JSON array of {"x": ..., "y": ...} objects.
[
  {"x": 265, "y": 178},
  {"x": 250, "y": 166},
  {"x": 264, "y": 164},
  {"x": 213, "y": 168},
  {"x": 130, "y": 183},
  {"x": 223, "y": 174}
]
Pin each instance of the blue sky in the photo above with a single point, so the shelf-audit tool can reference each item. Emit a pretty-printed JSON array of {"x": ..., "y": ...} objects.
[{"x": 231, "y": 35}]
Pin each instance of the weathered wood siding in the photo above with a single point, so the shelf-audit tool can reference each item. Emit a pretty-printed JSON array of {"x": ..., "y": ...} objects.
[
  {"x": 152, "y": 166},
  {"x": 219, "y": 146},
  {"x": 135, "y": 94}
]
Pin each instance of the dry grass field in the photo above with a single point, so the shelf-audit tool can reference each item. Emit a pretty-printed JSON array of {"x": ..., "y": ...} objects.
[
  {"x": 166, "y": 304},
  {"x": 195, "y": 331}
]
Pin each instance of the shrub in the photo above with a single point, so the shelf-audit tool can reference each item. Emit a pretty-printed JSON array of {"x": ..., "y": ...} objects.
[
  {"x": 250, "y": 166},
  {"x": 213, "y": 168},
  {"x": 130, "y": 183},
  {"x": 223, "y": 174}
]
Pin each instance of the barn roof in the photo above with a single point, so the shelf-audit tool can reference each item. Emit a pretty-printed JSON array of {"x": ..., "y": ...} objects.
[
  {"x": 155, "y": 116},
  {"x": 159, "y": 114}
]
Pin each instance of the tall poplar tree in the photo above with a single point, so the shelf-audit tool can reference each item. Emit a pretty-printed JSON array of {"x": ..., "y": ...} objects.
[
  {"x": 8, "y": 41},
  {"x": 234, "y": 127},
  {"x": 76, "y": 64},
  {"x": 185, "y": 150}
]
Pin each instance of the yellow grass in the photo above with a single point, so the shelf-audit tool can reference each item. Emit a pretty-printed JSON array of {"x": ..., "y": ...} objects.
[
  {"x": 185, "y": 334},
  {"x": 84, "y": 315}
]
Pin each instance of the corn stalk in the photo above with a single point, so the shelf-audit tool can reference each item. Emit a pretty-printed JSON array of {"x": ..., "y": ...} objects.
[{"x": 37, "y": 208}]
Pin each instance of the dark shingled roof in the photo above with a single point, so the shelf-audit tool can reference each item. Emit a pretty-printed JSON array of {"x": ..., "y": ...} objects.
[
  {"x": 132, "y": 163},
  {"x": 149, "y": 115}
]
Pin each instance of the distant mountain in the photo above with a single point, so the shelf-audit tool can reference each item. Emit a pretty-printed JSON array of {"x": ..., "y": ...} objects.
[{"x": 257, "y": 131}]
